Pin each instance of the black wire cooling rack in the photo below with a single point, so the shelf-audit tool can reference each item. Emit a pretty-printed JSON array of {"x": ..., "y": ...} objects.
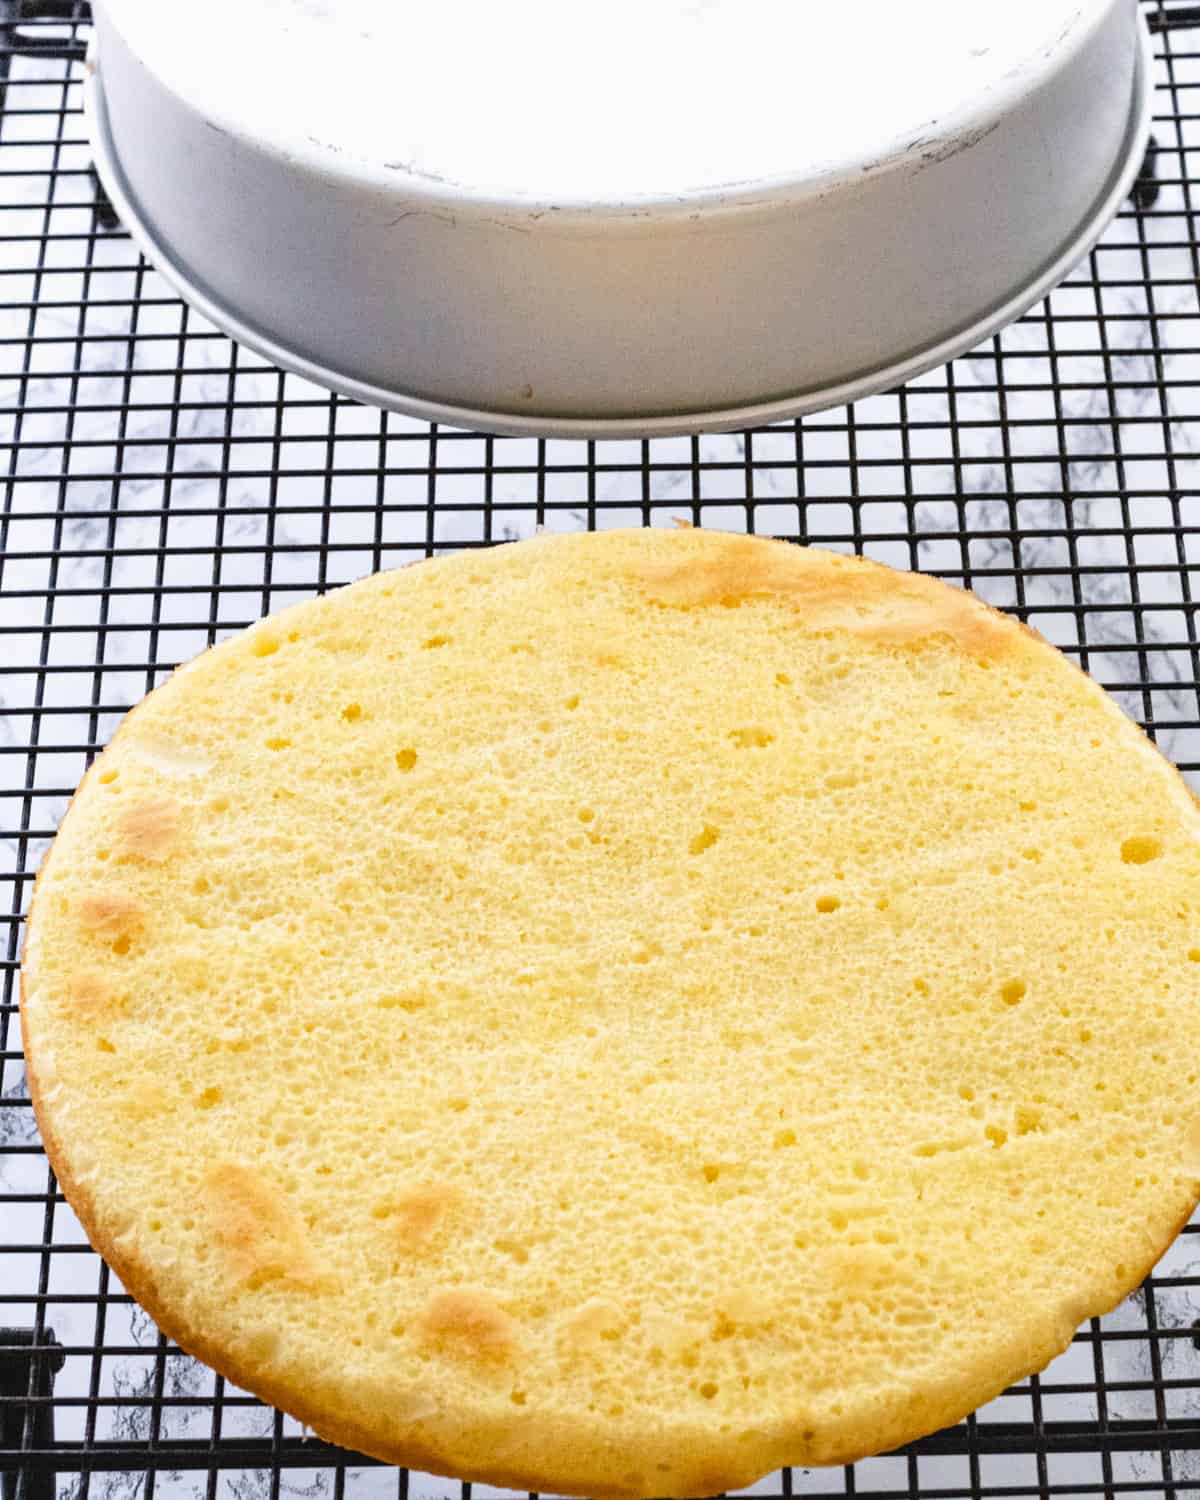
[{"x": 162, "y": 487}]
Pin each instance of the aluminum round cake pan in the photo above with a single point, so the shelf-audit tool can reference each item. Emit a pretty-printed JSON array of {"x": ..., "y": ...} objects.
[{"x": 687, "y": 217}]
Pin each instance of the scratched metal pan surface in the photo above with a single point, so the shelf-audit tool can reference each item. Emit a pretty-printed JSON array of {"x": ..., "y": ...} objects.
[{"x": 627, "y": 219}]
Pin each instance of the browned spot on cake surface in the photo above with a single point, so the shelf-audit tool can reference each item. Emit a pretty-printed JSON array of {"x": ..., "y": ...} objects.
[
  {"x": 422, "y": 1209},
  {"x": 262, "y": 1237},
  {"x": 87, "y": 998},
  {"x": 470, "y": 1324},
  {"x": 419, "y": 1211},
  {"x": 148, "y": 829},
  {"x": 111, "y": 914},
  {"x": 832, "y": 593}
]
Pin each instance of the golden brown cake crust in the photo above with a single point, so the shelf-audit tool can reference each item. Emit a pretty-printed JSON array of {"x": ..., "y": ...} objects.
[{"x": 472, "y": 1279}]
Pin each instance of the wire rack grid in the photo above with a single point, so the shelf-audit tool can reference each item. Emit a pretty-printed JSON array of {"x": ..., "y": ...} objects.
[{"x": 163, "y": 487}]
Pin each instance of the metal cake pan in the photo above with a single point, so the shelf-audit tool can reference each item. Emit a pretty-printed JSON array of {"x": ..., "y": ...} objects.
[{"x": 428, "y": 209}]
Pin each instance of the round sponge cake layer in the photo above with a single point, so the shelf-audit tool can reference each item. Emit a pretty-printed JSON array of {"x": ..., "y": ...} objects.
[{"x": 619, "y": 1013}]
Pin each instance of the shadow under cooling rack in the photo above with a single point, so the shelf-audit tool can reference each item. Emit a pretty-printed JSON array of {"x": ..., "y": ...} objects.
[{"x": 162, "y": 487}]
